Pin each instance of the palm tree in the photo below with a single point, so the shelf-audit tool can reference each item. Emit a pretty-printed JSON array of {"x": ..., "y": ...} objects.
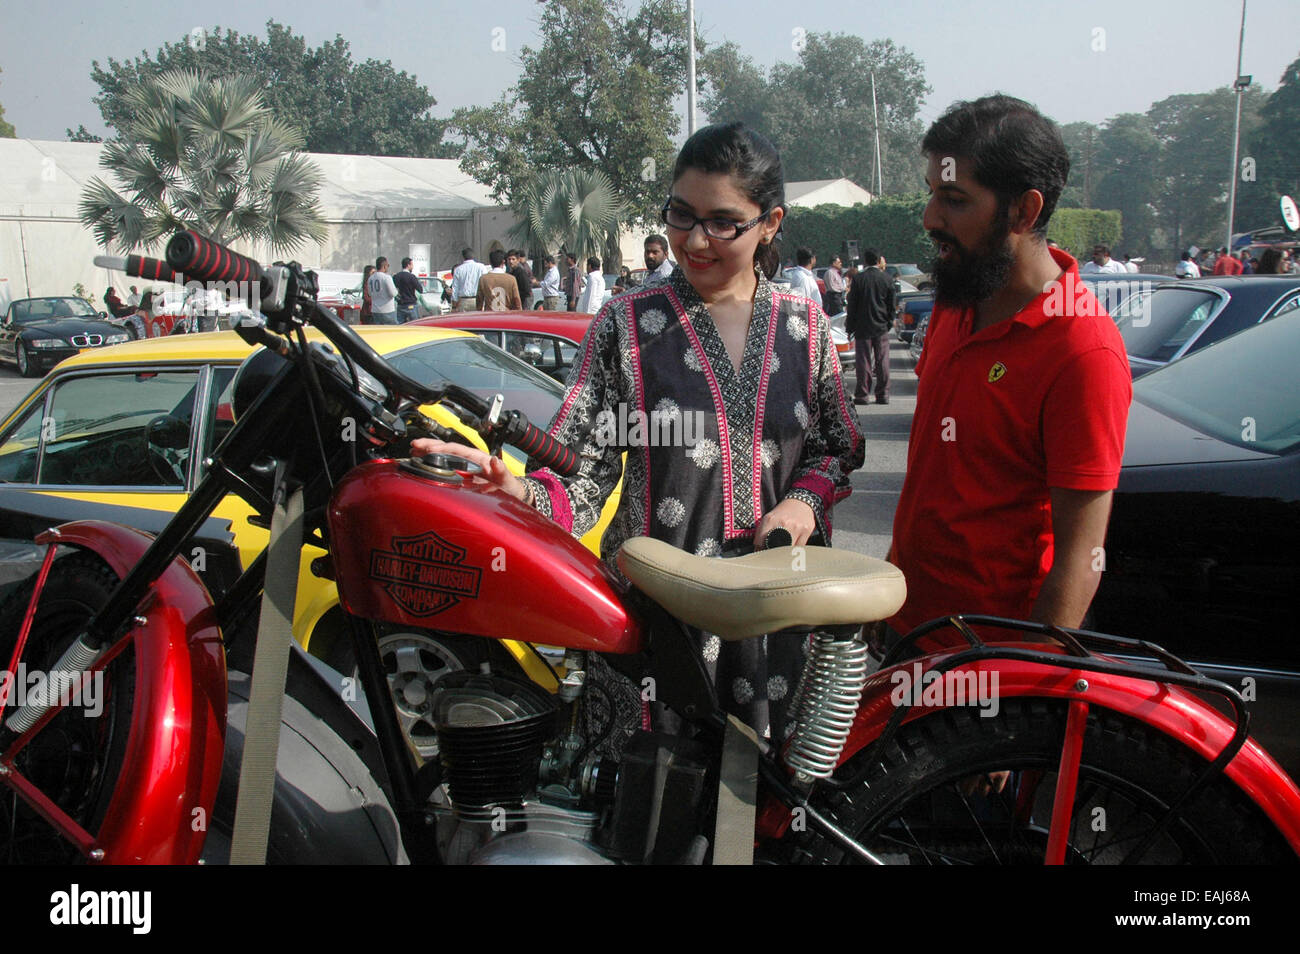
[
  {"x": 204, "y": 154},
  {"x": 578, "y": 208}
]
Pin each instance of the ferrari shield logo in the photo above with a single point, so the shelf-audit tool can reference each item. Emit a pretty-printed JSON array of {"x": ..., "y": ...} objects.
[
  {"x": 996, "y": 372},
  {"x": 425, "y": 575}
]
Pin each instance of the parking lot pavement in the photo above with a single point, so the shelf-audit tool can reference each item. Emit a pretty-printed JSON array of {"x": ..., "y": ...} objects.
[
  {"x": 864, "y": 522},
  {"x": 13, "y": 388}
]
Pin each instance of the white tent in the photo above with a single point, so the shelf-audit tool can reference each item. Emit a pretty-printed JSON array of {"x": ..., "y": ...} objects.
[
  {"x": 373, "y": 206},
  {"x": 814, "y": 192}
]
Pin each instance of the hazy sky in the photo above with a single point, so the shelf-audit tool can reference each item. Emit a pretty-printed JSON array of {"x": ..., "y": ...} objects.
[{"x": 1042, "y": 50}]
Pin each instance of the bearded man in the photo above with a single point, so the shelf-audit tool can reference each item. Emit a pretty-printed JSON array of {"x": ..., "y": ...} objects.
[{"x": 1023, "y": 391}]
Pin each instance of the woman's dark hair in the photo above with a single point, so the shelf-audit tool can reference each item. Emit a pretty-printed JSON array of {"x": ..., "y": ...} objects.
[
  {"x": 1012, "y": 147},
  {"x": 1270, "y": 262},
  {"x": 735, "y": 150}
]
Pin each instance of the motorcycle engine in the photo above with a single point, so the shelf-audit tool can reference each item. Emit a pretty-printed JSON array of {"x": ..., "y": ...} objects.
[{"x": 523, "y": 784}]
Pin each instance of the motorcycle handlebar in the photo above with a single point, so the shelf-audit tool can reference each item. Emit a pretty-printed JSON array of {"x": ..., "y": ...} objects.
[
  {"x": 540, "y": 446},
  {"x": 205, "y": 260},
  {"x": 137, "y": 266}
]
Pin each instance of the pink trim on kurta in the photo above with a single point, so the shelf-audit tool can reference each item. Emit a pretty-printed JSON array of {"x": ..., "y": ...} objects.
[
  {"x": 720, "y": 413},
  {"x": 812, "y": 356},
  {"x": 760, "y": 408},
  {"x": 578, "y": 385},
  {"x": 820, "y": 485},
  {"x": 635, "y": 342},
  {"x": 561, "y": 512}
]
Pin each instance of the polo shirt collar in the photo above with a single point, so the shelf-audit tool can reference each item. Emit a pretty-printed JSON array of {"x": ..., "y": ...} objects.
[{"x": 1033, "y": 314}]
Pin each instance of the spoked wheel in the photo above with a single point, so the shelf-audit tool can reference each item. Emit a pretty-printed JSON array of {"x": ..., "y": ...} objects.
[
  {"x": 76, "y": 759},
  {"x": 955, "y": 788}
]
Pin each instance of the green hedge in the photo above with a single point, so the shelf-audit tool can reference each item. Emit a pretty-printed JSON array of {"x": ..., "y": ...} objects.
[
  {"x": 1078, "y": 230},
  {"x": 892, "y": 226}
]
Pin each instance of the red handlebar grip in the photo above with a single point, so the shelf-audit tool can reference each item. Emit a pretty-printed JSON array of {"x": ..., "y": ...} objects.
[
  {"x": 540, "y": 446},
  {"x": 205, "y": 260},
  {"x": 151, "y": 268}
]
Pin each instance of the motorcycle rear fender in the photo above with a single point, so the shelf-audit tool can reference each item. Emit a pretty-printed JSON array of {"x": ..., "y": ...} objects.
[
  {"x": 1168, "y": 709},
  {"x": 168, "y": 784}
]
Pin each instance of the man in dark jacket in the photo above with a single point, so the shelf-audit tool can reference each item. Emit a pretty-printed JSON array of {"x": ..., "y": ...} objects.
[
  {"x": 871, "y": 306},
  {"x": 517, "y": 265}
]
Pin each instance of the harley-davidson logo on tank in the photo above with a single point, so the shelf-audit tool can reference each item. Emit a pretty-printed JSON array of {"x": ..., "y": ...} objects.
[{"x": 425, "y": 574}]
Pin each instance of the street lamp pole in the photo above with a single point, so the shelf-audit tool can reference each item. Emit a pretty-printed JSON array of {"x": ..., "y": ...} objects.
[
  {"x": 1239, "y": 84},
  {"x": 690, "y": 67}
]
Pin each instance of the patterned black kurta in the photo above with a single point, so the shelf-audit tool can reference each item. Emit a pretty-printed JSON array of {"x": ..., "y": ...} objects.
[{"x": 718, "y": 448}]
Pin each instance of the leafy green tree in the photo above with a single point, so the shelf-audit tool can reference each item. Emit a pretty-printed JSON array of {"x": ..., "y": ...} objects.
[
  {"x": 818, "y": 111},
  {"x": 340, "y": 106},
  {"x": 598, "y": 93},
  {"x": 1274, "y": 145},
  {"x": 6, "y": 129},
  {"x": 207, "y": 155},
  {"x": 1081, "y": 140},
  {"x": 82, "y": 134},
  {"x": 1129, "y": 156},
  {"x": 1195, "y": 132}
]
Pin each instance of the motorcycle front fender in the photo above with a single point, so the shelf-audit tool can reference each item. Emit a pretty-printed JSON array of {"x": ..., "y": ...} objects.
[
  {"x": 1168, "y": 709},
  {"x": 161, "y": 809}
]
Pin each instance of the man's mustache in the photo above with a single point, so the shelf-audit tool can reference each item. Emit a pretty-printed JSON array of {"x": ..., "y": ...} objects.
[{"x": 947, "y": 239}]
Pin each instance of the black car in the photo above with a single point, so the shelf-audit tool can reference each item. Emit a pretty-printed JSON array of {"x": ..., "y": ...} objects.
[
  {"x": 1203, "y": 550},
  {"x": 38, "y": 333},
  {"x": 1168, "y": 321},
  {"x": 913, "y": 308}
]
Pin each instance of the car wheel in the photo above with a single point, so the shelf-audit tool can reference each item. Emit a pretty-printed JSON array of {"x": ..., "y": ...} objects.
[{"x": 24, "y": 361}]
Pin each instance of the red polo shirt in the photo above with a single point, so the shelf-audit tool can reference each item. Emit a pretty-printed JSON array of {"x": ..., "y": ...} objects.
[{"x": 1037, "y": 401}]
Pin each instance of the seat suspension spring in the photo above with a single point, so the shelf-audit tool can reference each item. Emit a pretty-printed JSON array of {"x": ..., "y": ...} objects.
[{"x": 825, "y": 703}]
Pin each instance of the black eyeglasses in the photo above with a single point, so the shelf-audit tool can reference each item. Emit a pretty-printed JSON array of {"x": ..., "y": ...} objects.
[{"x": 724, "y": 229}]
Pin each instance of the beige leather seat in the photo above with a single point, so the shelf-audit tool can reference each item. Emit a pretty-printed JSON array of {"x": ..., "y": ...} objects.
[{"x": 764, "y": 591}]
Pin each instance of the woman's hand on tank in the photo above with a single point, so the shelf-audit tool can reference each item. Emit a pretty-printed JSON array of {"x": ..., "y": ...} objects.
[
  {"x": 494, "y": 469},
  {"x": 795, "y": 515}
]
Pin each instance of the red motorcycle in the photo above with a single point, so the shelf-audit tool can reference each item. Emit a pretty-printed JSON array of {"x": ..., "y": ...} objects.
[{"x": 1039, "y": 747}]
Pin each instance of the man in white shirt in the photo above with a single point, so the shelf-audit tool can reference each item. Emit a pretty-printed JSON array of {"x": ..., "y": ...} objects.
[
  {"x": 593, "y": 295},
  {"x": 1131, "y": 265},
  {"x": 1103, "y": 264},
  {"x": 802, "y": 280},
  {"x": 551, "y": 285},
  {"x": 1186, "y": 268},
  {"x": 656, "y": 259},
  {"x": 383, "y": 295},
  {"x": 464, "y": 281}
]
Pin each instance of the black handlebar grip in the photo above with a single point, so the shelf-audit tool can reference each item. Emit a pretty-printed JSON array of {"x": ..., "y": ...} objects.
[
  {"x": 205, "y": 260},
  {"x": 546, "y": 450},
  {"x": 138, "y": 266}
]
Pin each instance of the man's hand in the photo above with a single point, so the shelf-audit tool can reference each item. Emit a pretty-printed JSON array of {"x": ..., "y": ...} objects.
[
  {"x": 794, "y": 515},
  {"x": 1079, "y": 519}
]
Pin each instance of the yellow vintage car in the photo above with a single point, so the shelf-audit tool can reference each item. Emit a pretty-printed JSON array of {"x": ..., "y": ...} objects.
[{"x": 121, "y": 433}]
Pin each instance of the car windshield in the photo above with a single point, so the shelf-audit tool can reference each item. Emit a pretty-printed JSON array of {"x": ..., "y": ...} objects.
[
  {"x": 908, "y": 270},
  {"x": 1156, "y": 323},
  {"x": 432, "y": 286},
  {"x": 1113, "y": 292},
  {"x": 34, "y": 309},
  {"x": 1240, "y": 390},
  {"x": 487, "y": 371}
]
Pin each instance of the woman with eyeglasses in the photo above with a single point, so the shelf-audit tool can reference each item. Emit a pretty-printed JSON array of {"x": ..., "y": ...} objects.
[{"x": 746, "y": 426}]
